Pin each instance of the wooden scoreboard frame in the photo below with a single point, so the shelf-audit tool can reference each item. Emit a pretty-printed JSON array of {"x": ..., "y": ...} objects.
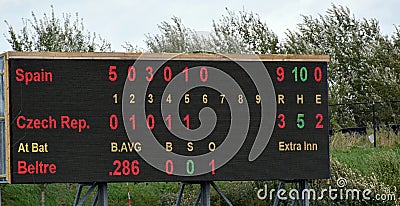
[{"x": 9, "y": 75}]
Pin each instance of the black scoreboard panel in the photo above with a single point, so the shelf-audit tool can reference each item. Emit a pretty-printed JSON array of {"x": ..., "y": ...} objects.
[{"x": 110, "y": 118}]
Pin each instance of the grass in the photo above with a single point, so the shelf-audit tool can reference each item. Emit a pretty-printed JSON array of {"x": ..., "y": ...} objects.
[
  {"x": 358, "y": 153},
  {"x": 382, "y": 162},
  {"x": 56, "y": 194},
  {"x": 353, "y": 157}
]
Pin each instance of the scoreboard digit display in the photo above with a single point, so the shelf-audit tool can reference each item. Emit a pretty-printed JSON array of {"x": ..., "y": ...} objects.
[{"x": 113, "y": 117}]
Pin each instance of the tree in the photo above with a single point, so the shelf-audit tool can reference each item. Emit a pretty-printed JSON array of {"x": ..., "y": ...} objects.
[
  {"x": 243, "y": 32},
  {"x": 129, "y": 47},
  {"x": 363, "y": 66},
  {"x": 52, "y": 34},
  {"x": 55, "y": 34},
  {"x": 175, "y": 38}
]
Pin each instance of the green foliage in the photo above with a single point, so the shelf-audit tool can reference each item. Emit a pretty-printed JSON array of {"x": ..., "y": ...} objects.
[
  {"x": 55, "y": 35},
  {"x": 382, "y": 163},
  {"x": 243, "y": 32},
  {"x": 363, "y": 66},
  {"x": 174, "y": 38},
  {"x": 56, "y": 194},
  {"x": 129, "y": 47},
  {"x": 355, "y": 180}
]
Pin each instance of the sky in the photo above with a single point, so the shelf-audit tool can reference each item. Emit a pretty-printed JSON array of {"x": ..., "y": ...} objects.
[{"x": 120, "y": 21}]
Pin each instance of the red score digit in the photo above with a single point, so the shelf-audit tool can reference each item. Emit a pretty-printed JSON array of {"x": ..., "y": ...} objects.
[
  {"x": 318, "y": 74},
  {"x": 169, "y": 167},
  {"x": 113, "y": 122},
  {"x": 282, "y": 123},
  {"x": 319, "y": 124},
  {"x": 133, "y": 120},
  {"x": 149, "y": 70},
  {"x": 203, "y": 74},
  {"x": 168, "y": 120},
  {"x": 150, "y": 121},
  {"x": 167, "y": 74},
  {"x": 280, "y": 72},
  {"x": 112, "y": 74},
  {"x": 211, "y": 164},
  {"x": 131, "y": 73},
  {"x": 187, "y": 121},
  {"x": 186, "y": 71}
]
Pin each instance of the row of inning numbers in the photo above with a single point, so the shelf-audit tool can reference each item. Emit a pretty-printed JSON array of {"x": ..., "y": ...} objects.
[
  {"x": 301, "y": 123},
  {"x": 187, "y": 99},
  {"x": 300, "y": 74},
  {"x": 132, "y": 73}
]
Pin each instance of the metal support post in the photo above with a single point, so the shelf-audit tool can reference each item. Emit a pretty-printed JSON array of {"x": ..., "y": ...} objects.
[
  {"x": 304, "y": 199},
  {"x": 178, "y": 200},
  {"x": 374, "y": 122},
  {"x": 302, "y": 189},
  {"x": 101, "y": 196},
  {"x": 204, "y": 193}
]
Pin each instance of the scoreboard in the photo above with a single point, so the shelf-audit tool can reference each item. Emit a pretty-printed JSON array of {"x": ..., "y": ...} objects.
[{"x": 112, "y": 117}]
